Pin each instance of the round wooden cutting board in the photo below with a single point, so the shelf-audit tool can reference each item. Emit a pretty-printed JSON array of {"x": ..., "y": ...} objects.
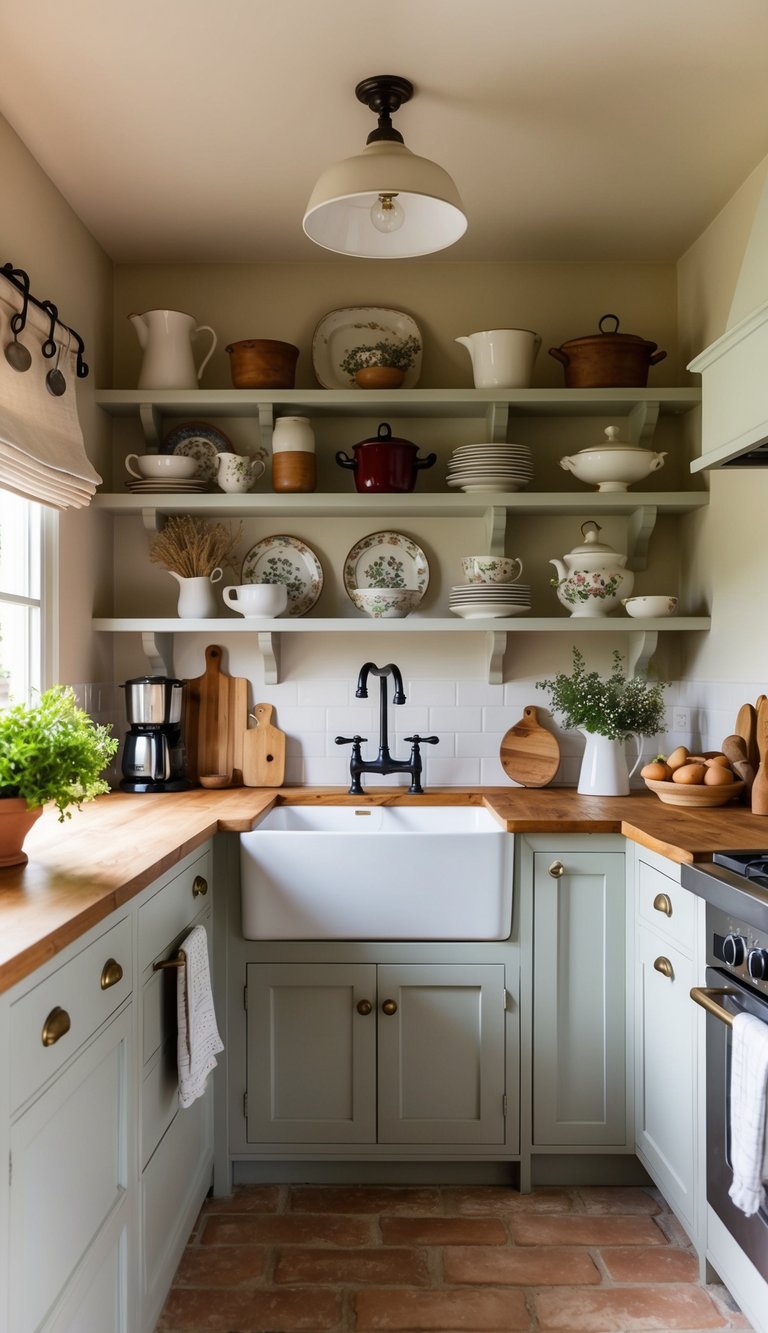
[{"x": 529, "y": 753}]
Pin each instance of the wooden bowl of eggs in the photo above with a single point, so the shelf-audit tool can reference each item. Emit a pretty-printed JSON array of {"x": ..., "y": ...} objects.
[{"x": 703, "y": 780}]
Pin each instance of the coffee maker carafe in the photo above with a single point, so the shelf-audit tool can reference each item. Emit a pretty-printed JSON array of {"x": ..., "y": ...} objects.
[{"x": 153, "y": 754}]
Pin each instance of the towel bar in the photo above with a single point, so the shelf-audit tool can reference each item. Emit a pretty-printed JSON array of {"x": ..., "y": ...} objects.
[{"x": 179, "y": 961}]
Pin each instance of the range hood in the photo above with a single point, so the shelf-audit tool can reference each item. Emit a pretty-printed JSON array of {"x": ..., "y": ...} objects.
[{"x": 734, "y": 369}]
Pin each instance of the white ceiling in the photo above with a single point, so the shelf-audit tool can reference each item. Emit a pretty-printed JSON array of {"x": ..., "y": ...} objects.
[{"x": 193, "y": 130}]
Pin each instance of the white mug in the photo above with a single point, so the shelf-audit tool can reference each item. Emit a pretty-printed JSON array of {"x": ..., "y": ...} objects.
[{"x": 256, "y": 599}]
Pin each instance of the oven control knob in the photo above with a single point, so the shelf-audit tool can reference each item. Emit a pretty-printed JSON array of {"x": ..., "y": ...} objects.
[
  {"x": 734, "y": 950},
  {"x": 757, "y": 963}
]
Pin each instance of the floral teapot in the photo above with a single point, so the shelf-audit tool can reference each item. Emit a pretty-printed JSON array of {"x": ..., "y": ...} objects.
[{"x": 591, "y": 579}]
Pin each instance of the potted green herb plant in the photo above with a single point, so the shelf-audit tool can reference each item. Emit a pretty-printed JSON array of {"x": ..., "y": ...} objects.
[
  {"x": 381, "y": 365},
  {"x": 50, "y": 750},
  {"x": 607, "y": 711}
]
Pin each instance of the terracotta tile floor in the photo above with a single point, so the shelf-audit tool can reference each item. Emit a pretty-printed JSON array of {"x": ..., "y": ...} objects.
[{"x": 433, "y": 1259}]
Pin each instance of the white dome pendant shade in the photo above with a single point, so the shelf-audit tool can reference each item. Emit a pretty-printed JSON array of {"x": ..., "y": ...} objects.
[{"x": 385, "y": 203}]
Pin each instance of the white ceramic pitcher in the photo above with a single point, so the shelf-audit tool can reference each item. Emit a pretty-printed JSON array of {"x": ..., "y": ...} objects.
[
  {"x": 502, "y": 358},
  {"x": 166, "y": 340},
  {"x": 604, "y": 769}
]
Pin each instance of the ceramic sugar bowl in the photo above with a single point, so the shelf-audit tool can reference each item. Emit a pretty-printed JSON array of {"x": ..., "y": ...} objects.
[
  {"x": 591, "y": 579},
  {"x": 613, "y": 466}
]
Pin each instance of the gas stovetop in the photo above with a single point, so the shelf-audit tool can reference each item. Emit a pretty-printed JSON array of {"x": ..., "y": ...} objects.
[
  {"x": 735, "y": 882},
  {"x": 750, "y": 865}
]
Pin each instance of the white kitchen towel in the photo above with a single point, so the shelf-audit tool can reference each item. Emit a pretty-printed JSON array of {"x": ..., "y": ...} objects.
[
  {"x": 747, "y": 1098},
  {"x": 198, "y": 1036}
]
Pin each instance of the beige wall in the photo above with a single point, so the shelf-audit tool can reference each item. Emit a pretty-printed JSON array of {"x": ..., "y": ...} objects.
[{"x": 42, "y": 235}]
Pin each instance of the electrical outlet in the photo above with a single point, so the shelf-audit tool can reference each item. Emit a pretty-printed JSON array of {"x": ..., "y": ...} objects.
[{"x": 681, "y": 719}]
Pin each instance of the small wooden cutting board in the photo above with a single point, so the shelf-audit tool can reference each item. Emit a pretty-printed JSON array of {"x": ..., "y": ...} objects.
[
  {"x": 529, "y": 753},
  {"x": 214, "y": 719},
  {"x": 263, "y": 751}
]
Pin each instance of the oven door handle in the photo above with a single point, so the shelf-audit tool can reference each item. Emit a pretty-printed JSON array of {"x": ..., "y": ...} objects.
[{"x": 702, "y": 995}]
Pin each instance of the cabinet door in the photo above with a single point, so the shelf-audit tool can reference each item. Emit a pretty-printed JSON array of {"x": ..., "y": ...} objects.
[
  {"x": 441, "y": 1054},
  {"x": 665, "y": 1066},
  {"x": 311, "y": 1053},
  {"x": 579, "y": 1036}
]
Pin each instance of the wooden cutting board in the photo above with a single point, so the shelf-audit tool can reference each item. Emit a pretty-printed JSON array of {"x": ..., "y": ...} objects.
[
  {"x": 746, "y": 727},
  {"x": 214, "y": 719},
  {"x": 529, "y": 753},
  {"x": 760, "y": 784},
  {"x": 263, "y": 751}
]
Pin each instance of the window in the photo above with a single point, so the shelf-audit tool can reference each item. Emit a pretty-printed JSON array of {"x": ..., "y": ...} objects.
[{"x": 24, "y": 531}]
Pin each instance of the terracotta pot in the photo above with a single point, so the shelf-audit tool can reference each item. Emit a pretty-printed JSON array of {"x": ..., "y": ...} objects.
[
  {"x": 263, "y": 363},
  {"x": 607, "y": 360},
  {"x": 379, "y": 377},
  {"x": 385, "y": 464},
  {"x": 15, "y": 822}
]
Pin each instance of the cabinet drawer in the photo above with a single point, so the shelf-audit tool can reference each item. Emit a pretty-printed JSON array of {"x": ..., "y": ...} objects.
[
  {"x": 665, "y": 906},
  {"x": 174, "y": 907},
  {"x": 86, "y": 990}
]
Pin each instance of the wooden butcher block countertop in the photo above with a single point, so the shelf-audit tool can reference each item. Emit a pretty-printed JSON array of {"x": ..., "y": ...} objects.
[{"x": 81, "y": 871}]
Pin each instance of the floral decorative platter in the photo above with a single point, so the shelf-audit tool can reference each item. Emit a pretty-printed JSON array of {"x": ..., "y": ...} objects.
[
  {"x": 359, "y": 326},
  {"x": 386, "y": 560},
  {"x": 198, "y": 440},
  {"x": 287, "y": 560}
]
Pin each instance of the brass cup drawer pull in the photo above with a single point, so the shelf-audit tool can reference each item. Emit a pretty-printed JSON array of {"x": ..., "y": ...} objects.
[
  {"x": 389, "y": 1007},
  {"x": 364, "y": 1007},
  {"x": 111, "y": 973},
  {"x": 56, "y": 1025},
  {"x": 557, "y": 870},
  {"x": 199, "y": 887},
  {"x": 661, "y": 903},
  {"x": 664, "y": 966}
]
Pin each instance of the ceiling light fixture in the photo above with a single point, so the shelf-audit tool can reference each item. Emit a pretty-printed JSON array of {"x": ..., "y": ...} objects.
[{"x": 386, "y": 203}]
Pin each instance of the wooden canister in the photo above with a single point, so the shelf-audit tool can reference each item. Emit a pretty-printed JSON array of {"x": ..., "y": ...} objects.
[{"x": 294, "y": 466}]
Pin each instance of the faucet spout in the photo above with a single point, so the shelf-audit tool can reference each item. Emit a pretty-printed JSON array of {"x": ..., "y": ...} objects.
[{"x": 384, "y": 763}]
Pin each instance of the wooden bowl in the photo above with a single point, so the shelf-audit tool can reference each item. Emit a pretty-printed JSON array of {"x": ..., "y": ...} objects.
[
  {"x": 215, "y": 779},
  {"x": 694, "y": 794}
]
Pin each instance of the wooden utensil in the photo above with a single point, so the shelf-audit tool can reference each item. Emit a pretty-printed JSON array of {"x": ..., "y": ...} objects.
[
  {"x": 263, "y": 751},
  {"x": 760, "y": 784},
  {"x": 529, "y": 753},
  {"x": 746, "y": 727},
  {"x": 214, "y": 718}
]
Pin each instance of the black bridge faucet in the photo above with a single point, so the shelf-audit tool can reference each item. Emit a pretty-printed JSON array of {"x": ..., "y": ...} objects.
[{"x": 384, "y": 763}]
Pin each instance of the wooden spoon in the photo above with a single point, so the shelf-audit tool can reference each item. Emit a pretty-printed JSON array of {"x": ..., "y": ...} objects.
[
  {"x": 760, "y": 784},
  {"x": 746, "y": 727}
]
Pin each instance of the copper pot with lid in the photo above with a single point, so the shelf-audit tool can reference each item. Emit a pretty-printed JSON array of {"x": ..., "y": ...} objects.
[{"x": 607, "y": 359}]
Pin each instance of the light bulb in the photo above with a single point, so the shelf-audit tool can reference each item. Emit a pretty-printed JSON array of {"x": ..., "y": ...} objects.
[{"x": 386, "y": 215}]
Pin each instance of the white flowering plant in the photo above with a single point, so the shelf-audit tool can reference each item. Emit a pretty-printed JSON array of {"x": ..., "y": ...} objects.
[{"x": 617, "y": 706}]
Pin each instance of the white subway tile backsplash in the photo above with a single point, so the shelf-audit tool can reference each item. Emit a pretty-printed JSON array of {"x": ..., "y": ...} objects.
[
  {"x": 493, "y": 775},
  {"x": 299, "y": 720},
  {"x": 499, "y": 720},
  {"x": 325, "y": 693},
  {"x": 476, "y": 692},
  {"x": 477, "y": 744},
  {"x": 356, "y": 719},
  {"x": 455, "y": 719},
  {"x": 442, "y": 692},
  {"x": 452, "y": 772}
]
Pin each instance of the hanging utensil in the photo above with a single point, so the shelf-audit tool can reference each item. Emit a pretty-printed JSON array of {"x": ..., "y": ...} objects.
[
  {"x": 54, "y": 380},
  {"x": 16, "y": 354}
]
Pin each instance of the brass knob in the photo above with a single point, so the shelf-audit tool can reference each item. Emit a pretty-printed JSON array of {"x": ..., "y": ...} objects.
[
  {"x": 662, "y": 903},
  {"x": 111, "y": 973},
  {"x": 557, "y": 870},
  {"x": 664, "y": 966},
  {"x": 364, "y": 1007},
  {"x": 389, "y": 1007},
  {"x": 56, "y": 1025},
  {"x": 199, "y": 887}
]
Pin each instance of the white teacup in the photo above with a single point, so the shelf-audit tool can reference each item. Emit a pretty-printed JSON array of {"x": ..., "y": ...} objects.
[
  {"x": 491, "y": 568},
  {"x": 172, "y": 467},
  {"x": 256, "y": 599}
]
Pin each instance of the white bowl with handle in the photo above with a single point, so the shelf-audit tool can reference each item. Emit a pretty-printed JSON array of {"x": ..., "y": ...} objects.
[{"x": 612, "y": 466}]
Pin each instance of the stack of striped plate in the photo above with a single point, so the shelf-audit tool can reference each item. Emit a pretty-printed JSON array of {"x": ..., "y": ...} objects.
[
  {"x": 475, "y": 600},
  {"x": 490, "y": 467}
]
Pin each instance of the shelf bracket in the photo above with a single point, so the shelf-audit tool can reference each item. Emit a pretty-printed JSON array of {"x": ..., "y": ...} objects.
[
  {"x": 642, "y": 646},
  {"x": 495, "y": 529},
  {"x": 642, "y": 423},
  {"x": 158, "y": 650},
  {"x": 152, "y": 521},
  {"x": 642, "y": 521},
  {"x": 150, "y": 424},
  {"x": 269, "y": 649},
  {"x": 266, "y": 425},
  {"x": 497, "y": 420},
  {"x": 497, "y": 643}
]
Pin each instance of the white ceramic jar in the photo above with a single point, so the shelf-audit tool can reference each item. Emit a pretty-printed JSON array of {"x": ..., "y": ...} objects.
[{"x": 294, "y": 466}]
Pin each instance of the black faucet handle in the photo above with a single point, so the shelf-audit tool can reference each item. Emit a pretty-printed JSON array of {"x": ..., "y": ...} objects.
[
  {"x": 416, "y": 739},
  {"x": 351, "y": 740}
]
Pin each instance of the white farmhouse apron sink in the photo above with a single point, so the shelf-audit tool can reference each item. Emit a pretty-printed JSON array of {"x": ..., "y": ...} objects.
[{"x": 377, "y": 873}]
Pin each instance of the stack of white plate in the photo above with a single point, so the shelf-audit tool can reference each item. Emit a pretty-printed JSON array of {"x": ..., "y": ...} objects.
[
  {"x": 490, "y": 467},
  {"x": 157, "y": 486},
  {"x": 474, "y": 600}
]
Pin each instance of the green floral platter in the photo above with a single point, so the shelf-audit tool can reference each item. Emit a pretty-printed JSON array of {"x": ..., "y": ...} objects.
[
  {"x": 284, "y": 559},
  {"x": 386, "y": 560}
]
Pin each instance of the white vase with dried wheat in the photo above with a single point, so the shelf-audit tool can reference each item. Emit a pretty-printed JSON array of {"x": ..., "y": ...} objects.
[{"x": 194, "y": 553}]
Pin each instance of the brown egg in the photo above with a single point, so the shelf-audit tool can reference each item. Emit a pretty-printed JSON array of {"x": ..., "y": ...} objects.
[
  {"x": 678, "y": 757},
  {"x": 691, "y": 774},
  {"x": 719, "y": 759},
  {"x": 717, "y": 776},
  {"x": 656, "y": 771}
]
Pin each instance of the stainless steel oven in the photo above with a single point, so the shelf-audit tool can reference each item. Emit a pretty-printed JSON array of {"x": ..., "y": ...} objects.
[{"x": 736, "y": 982}]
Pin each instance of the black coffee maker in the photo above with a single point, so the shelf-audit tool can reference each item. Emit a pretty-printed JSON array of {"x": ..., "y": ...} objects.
[{"x": 153, "y": 753}]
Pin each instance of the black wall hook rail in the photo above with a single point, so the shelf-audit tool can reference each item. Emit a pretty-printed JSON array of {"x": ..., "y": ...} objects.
[{"x": 19, "y": 279}]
